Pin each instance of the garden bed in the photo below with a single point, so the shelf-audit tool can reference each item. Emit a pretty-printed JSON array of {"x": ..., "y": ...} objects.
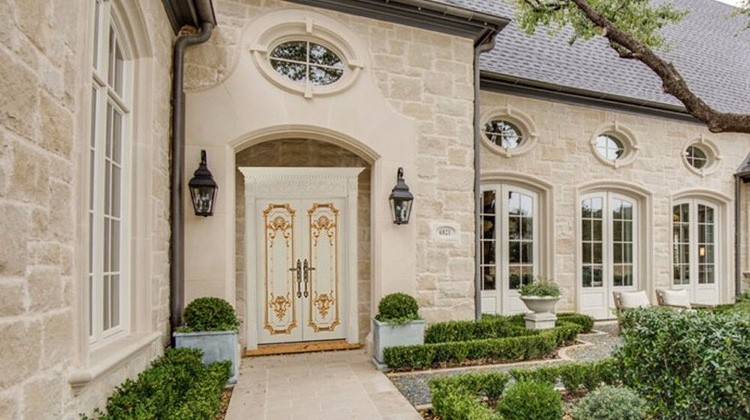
[
  {"x": 491, "y": 340},
  {"x": 670, "y": 365}
]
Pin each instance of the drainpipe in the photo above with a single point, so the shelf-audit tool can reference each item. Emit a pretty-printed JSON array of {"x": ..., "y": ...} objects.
[
  {"x": 483, "y": 44},
  {"x": 738, "y": 178},
  {"x": 177, "y": 241}
]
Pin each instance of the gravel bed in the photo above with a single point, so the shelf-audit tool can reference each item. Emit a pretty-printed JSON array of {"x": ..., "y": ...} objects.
[{"x": 414, "y": 385}]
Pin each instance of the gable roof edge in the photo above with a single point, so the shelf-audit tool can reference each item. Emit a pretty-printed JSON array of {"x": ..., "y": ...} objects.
[{"x": 423, "y": 14}]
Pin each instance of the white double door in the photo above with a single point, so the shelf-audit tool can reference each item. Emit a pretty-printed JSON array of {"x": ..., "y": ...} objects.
[{"x": 300, "y": 252}]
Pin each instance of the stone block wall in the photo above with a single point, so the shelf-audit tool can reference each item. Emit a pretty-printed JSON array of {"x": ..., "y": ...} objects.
[
  {"x": 426, "y": 76},
  {"x": 44, "y": 89},
  {"x": 563, "y": 157}
]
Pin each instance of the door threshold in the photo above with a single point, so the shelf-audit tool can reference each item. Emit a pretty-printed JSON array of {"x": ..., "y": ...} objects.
[{"x": 304, "y": 347}]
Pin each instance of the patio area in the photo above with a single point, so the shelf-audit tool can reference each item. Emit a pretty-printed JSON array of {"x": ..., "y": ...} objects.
[{"x": 338, "y": 385}]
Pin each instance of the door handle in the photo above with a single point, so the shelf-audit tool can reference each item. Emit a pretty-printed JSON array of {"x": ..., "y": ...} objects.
[
  {"x": 308, "y": 268},
  {"x": 298, "y": 270}
]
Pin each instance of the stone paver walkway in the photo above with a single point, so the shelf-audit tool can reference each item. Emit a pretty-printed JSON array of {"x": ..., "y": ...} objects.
[
  {"x": 597, "y": 346},
  {"x": 340, "y": 385}
]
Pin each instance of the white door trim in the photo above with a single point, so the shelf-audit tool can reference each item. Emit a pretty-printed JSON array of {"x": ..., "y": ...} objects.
[{"x": 300, "y": 183}]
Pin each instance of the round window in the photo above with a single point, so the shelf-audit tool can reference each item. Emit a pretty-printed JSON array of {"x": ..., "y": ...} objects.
[
  {"x": 503, "y": 134},
  {"x": 701, "y": 156},
  {"x": 696, "y": 157},
  {"x": 609, "y": 147},
  {"x": 305, "y": 61}
]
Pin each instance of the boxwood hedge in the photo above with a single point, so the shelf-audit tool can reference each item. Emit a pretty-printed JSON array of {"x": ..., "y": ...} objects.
[
  {"x": 176, "y": 386},
  {"x": 493, "y": 350}
]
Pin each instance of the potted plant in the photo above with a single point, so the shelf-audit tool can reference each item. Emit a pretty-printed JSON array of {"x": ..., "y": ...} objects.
[
  {"x": 540, "y": 297},
  {"x": 396, "y": 324},
  {"x": 210, "y": 324}
]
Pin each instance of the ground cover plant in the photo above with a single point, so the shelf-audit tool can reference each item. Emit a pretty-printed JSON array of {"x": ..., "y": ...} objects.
[
  {"x": 176, "y": 386},
  {"x": 492, "y": 339},
  {"x": 611, "y": 403},
  {"x": 688, "y": 364}
]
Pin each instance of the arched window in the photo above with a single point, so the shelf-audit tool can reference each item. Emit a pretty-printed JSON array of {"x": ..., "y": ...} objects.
[
  {"x": 695, "y": 249},
  {"x": 109, "y": 162},
  {"x": 510, "y": 251},
  {"x": 609, "y": 249}
]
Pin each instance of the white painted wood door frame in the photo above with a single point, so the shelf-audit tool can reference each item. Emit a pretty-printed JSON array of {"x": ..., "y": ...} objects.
[{"x": 301, "y": 183}]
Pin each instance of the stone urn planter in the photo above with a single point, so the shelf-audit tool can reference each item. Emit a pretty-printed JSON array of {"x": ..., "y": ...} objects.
[
  {"x": 396, "y": 324},
  {"x": 538, "y": 304},
  {"x": 210, "y": 325},
  {"x": 542, "y": 316},
  {"x": 540, "y": 297}
]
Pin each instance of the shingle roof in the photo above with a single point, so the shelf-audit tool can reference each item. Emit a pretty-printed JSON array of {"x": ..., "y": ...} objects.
[
  {"x": 492, "y": 7},
  {"x": 708, "y": 47}
]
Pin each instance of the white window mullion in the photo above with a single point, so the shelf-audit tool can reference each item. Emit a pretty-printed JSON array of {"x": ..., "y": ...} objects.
[{"x": 107, "y": 283}]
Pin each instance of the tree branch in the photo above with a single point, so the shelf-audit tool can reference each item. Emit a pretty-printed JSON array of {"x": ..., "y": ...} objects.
[{"x": 672, "y": 81}]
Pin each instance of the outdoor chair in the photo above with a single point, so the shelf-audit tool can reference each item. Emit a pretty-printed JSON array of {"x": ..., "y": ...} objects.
[
  {"x": 678, "y": 299},
  {"x": 630, "y": 300}
]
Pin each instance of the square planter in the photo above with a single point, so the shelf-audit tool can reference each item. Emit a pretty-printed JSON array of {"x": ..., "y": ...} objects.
[
  {"x": 216, "y": 346},
  {"x": 389, "y": 335}
]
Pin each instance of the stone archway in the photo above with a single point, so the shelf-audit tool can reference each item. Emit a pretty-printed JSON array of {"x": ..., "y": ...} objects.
[{"x": 300, "y": 152}]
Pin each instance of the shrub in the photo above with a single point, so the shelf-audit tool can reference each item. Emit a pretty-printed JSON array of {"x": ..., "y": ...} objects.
[
  {"x": 456, "y": 397},
  {"x": 536, "y": 346},
  {"x": 174, "y": 385},
  {"x": 487, "y": 327},
  {"x": 586, "y": 322},
  {"x": 453, "y": 403},
  {"x": 611, "y": 403},
  {"x": 484, "y": 384},
  {"x": 209, "y": 314},
  {"x": 531, "y": 401},
  {"x": 397, "y": 308},
  {"x": 541, "y": 287},
  {"x": 687, "y": 364},
  {"x": 574, "y": 376}
]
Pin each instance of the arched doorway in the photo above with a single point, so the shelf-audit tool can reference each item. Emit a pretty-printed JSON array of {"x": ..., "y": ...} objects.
[{"x": 274, "y": 305}]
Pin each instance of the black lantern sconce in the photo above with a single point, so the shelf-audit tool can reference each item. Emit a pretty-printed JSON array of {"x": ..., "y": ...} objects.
[
  {"x": 203, "y": 189},
  {"x": 401, "y": 200}
]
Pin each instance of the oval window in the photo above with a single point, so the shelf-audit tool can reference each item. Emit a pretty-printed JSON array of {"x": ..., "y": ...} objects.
[
  {"x": 609, "y": 147},
  {"x": 696, "y": 157},
  {"x": 503, "y": 134},
  {"x": 303, "y": 61}
]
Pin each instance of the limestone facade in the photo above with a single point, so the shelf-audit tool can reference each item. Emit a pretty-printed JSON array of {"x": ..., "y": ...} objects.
[
  {"x": 45, "y": 62},
  {"x": 563, "y": 158},
  {"x": 410, "y": 105}
]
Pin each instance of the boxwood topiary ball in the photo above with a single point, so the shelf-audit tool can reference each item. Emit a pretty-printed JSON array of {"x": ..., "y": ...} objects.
[
  {"x": 397, "y": 308},
  {"x": 210, "y": 314}
]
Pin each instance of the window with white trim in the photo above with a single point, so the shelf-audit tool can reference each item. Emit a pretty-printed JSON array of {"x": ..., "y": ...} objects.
[
  {"x": 701, "y": 156},
  {"x": 508, "y": 132},
  {"x": 304, "y": 61},
  {"x": 614, "y": 145},
  {"x": 509, "y": 214},
  {"x": 108, "y": 198},
  {"x": 608, "y": 241},
  {"x": 694, "y": 250}
]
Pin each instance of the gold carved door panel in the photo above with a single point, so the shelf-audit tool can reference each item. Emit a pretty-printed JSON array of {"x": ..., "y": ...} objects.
[{"x": 300, "y": 288}]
